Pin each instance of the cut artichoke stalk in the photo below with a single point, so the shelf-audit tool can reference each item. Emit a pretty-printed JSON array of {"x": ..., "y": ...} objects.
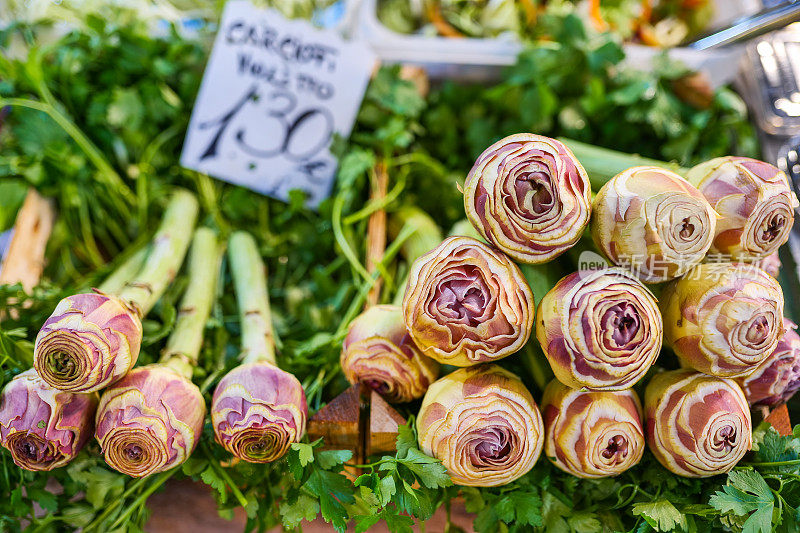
[
  {"x": 755, "y": 204},
  {"x": 600, "y": 329},
  {"x": 592, "y": 434},
  {"x": 528, "y": 196},
  {"x": 152, "y": 419},
  {"x": 483, "y": 424},
  {"x": 652, "y": 222},
  {"x": 696, "y": 425},
  {"x": 258, "y": 410},
  {"x": 723, "y": 319},
  {"x": 467, "y": 303},
  {"x": 44, "y": 428},
  {"x": 379, "y": 353},
  {"x": 92, "y": 340},
  {"x": 777, "y": 379}
]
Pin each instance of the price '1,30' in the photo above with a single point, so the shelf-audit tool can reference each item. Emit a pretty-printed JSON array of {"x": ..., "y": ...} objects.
[{"x": 285, "y": 131}]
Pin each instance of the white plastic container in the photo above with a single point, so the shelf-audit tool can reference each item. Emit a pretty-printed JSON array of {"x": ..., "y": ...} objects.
[{"x": 473, "y": 59}]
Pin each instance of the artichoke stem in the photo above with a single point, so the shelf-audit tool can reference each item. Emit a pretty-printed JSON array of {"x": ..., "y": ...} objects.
[
  {"x": 166, "y": 253},
  {"x": 376, "y": 231},
  {"x": 250, "y": 283},
  {"x": 183, "y": 345},
  {"x": 125, "y": 272},
  {"x": 543, "y": 277},
  {"x": 535, "y": 362},
  {"x": 465, "y": 228},
  {"x": 427, "y": 236},
  {"x": 602, "y": 164}
]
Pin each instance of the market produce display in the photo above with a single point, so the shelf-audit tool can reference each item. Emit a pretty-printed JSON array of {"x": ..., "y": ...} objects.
[
  {"x": 656, "y": 23},
  {"x": 254, "y": 359},
  {"x": 258, "y": 410}
]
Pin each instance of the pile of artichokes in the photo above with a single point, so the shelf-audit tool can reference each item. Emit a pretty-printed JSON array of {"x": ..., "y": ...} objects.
[
  {"x": 149, "y": 419},
  {"x": 705, "y": 244}
]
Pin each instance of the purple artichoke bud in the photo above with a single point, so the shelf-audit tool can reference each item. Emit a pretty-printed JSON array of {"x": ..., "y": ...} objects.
[
  {"x": 776, "y": 379},
  {"x": 150, "y": 421},
  {"x": 258, "y": 411},
  {"x": 652, "y": 221},
  {"x": 529, "y": 196},
  {"x": 483, "y": 424},
  {"x": 592, "y": 434},
  {"x": 42, "y": 427},
  {"x": 696, "y": 425},
  {"x": 467, "y": 303},
  {"x": 723, "y": 319},
  {"x": 379, "y": 353},
  {"x": 600, "y": 329},
  {"x": 89, "y": 342},
  {"x": 755, "y": 204}
]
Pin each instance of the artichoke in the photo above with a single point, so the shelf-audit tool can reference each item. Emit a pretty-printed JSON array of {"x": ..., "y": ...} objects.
[
  {"x": 379, "y": 353},
  {"x": 723, "y": 319},
  {"x": 89, "y": 342},
  {"x": 465, "y": 303},
  {"x": 92, "y": 340},
  {"x": 776, "y": 379},
  {"x": 696, "y": 425},
  {"x": 592, "y": 434},
  {"x": 600, "y": 329},
  {"x": 483, "y": 424},
  {"x": 529, "y": 196},
  {"x": 653, "y": 222},
  {"x": 42, "y": 427},
  {"x": 150, "y": 421},
  {"x": 755, "y": 204},
  {"x": 258, "y": 411}
]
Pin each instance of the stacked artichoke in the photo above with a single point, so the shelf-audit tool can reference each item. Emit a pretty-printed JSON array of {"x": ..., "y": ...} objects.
[{"x": 708, "y": 239}]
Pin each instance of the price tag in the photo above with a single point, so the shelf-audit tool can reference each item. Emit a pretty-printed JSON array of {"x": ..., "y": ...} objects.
[{"x": 273, "y": 94}]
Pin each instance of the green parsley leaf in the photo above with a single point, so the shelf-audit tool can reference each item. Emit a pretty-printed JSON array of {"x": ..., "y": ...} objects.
[
  {"x": 210, "y": 477},
  {"x": 406, "y": 439},
  {"x": 333, "y": 490},
  {"x": 304, "y": 507},
  {"x": 330, "y": 458},
  {"x": 661, "y": 515},
  {"x": 430, "y": 472},
  {"x": 746, "y": 492}
]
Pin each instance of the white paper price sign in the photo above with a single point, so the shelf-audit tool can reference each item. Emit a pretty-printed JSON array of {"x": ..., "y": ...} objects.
[{"x": 273, "y": 94}]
